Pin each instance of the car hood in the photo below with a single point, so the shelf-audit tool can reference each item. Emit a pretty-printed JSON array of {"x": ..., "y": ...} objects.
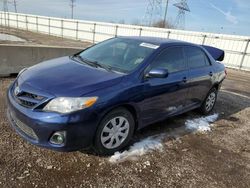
[{"x": 66, "y": 77}]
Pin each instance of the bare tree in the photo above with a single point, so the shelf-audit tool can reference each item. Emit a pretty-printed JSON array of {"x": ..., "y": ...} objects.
[
  {"x": 163, "y": 24},
  {"x": 72, "y": 6},
  {"x": 122, "y": 21},
  {"x": 136, "y": 22}
]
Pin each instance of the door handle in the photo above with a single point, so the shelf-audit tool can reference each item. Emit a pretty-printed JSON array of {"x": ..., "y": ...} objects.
[
  {"x": 184, "y": 79},
  {"x": 210, "y": 73}
]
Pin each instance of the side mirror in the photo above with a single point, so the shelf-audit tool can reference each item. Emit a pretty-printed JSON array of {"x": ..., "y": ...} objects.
[{"x": 157, "y": 73}]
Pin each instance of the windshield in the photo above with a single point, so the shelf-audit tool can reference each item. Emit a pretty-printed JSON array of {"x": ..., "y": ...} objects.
[{"x": 122, "y": 55}]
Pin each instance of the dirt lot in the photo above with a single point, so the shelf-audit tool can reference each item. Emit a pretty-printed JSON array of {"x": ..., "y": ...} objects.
[{"x": 220, "y": 158}]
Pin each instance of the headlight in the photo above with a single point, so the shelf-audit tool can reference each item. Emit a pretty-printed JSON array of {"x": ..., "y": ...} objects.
[
  {"x": 22, "y": 71},
  {"x": 68, "y": 104}
]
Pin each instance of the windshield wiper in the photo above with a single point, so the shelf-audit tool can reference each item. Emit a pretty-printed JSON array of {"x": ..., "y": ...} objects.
[
  {"x": 84, "y": 60},
  {"x": 96, "y": 64},
  {"x": 106, "y": 67}
]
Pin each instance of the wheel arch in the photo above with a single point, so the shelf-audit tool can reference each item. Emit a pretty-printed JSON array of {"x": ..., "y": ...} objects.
[{"x": 217, "y": 86}]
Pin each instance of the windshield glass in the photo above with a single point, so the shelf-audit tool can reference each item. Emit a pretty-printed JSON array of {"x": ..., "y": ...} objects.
[{"x": 122, "y": 55}]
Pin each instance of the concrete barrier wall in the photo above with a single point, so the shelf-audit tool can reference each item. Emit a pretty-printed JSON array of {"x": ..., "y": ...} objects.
[
  {"x": 14, "y": 58},
  {"x": 237, "y": 48}
]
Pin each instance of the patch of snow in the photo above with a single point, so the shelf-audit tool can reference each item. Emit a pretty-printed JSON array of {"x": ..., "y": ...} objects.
[
  {"x": 202, "y": 124},
  {"x": 7, "y": 37},
  {"x": 138, "y": 149},
  {"x": 153, "y": 143}
]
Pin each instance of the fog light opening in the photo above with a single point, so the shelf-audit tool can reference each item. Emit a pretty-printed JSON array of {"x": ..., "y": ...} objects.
[{"x": 58, "y": 138}]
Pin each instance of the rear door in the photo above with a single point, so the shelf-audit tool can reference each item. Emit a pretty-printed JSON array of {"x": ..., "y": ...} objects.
[
  {"x": 200, "y": 74},
  {"x": 165, "y": 96}
]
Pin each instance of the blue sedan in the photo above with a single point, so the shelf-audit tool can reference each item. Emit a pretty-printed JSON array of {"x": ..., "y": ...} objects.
[{"x": 100, "y": 96}]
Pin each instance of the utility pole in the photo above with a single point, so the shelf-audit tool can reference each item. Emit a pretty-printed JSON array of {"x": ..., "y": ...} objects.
[
  {"x": 72, "y": 5},
  {"x": 166, "y": 12}
]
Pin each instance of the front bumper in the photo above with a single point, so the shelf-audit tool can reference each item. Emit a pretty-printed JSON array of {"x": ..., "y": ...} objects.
[{"x": 37, "y": 127}]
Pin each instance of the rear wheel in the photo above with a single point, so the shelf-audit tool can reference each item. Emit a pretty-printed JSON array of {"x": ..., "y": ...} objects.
[
  {"x": 114, "y": 131},
  {"x": 209, "y": 102}
]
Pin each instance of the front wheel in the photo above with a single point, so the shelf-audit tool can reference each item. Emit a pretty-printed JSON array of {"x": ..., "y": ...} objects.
[
  {"x": 114, "y": 131},
  {"x": 209, "y": 102}
]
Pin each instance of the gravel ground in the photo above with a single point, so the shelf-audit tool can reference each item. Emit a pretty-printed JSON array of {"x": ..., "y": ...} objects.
[{"x": 220, "y": 158}]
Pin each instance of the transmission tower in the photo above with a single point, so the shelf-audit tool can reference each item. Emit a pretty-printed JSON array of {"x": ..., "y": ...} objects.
[
  {"x": 5, "y": 5},
  {"x": 72, "y": 6},
  {"x": 5, "y": 9},
  {"x": 153, "y": 12},
  {"x": 182, "y": 9},
  {"x": 15, "y": 5}
]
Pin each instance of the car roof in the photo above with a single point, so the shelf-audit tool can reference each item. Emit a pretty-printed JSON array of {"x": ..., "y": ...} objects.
[{"x": 156, "y": 40}]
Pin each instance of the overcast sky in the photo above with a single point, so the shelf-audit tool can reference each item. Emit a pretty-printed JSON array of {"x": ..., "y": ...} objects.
[{"x": 220, "y": 16}]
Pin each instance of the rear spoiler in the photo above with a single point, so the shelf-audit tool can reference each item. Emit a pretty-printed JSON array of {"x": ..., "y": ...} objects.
[{"x": 216, "y": 53}]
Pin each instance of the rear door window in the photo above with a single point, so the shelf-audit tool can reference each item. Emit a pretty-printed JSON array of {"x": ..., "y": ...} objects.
[
  {"x": 171, "y": 59},
  {"x": 196, "y": 57}
]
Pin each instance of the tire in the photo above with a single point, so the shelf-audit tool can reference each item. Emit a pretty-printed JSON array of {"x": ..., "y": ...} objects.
[
  {"x": 114, "y": 132},
  {"x": 209, "y": 102}
]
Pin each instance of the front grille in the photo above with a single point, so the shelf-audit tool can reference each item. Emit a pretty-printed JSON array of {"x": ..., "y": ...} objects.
[
  {"x": 26, "y": 103},
  {"x": 24, "y": 128},
  {"x": 26, "y": 99},
  {"x": 33, "y": 96}
]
